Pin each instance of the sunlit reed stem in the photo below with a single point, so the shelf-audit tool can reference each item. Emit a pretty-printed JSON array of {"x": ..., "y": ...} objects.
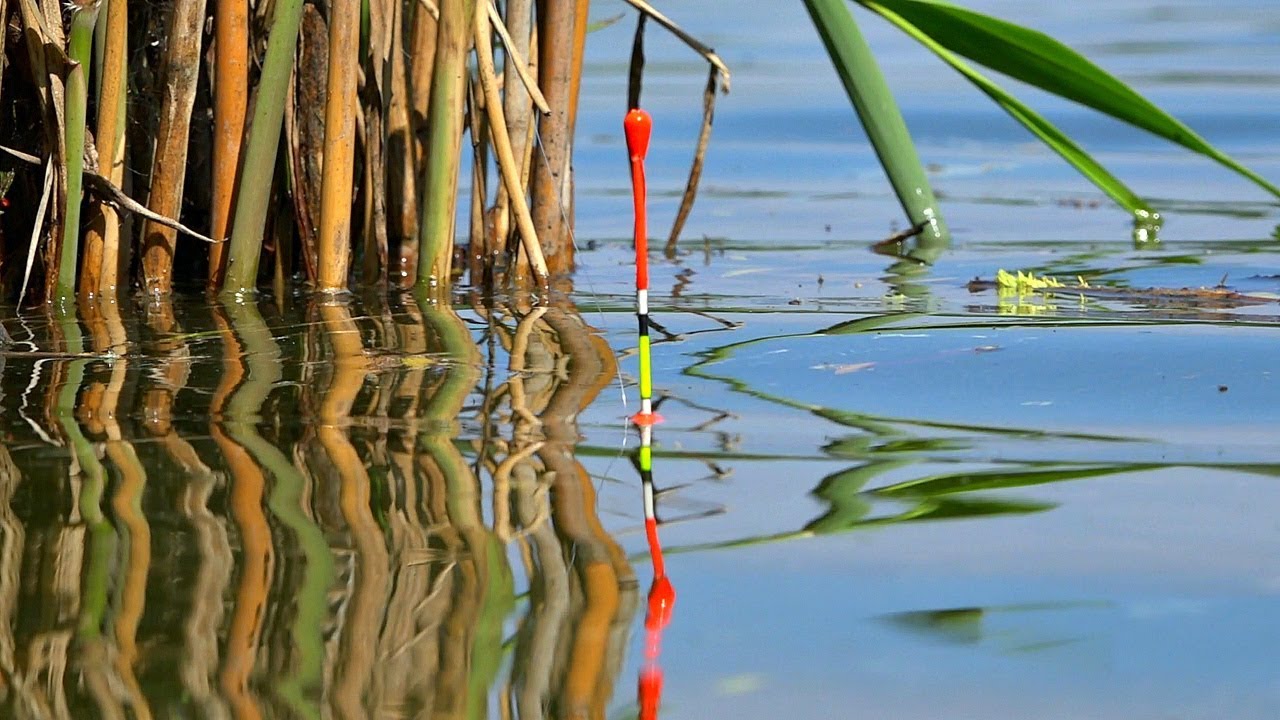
[
  {"x": 879, "y": 113},
  {"x": 260, "y": 154},
  {"x": 169, "y": 165},
  {"x": 516, "y": 104},
  {"x": 99, "y": 262},
  {"x": 551, "y": 199},
  {"x": 230, "y": 109},
  {"x": 336, "y": 196},
  {"x": 507, "y": 167}
]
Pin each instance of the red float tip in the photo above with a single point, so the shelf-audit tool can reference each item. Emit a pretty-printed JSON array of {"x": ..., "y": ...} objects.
[
  {"x": 662, "y": 599},
  {"x": 639, "y": 126},
  {"x": 643, "y": 419}
]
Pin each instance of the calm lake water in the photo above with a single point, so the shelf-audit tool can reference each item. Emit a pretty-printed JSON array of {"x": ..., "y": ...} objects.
[{"x": 883, "y": 494}]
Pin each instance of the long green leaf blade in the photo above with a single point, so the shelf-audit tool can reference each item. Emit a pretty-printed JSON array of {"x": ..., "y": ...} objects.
[
  {"x": 1037, "y": 59},
  {"x": 1033, "y": 121},
  {"x": 879, "y": 114}
]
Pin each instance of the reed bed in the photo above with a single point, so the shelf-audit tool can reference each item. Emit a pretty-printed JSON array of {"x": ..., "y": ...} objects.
[{"x": 226, "y": 145}]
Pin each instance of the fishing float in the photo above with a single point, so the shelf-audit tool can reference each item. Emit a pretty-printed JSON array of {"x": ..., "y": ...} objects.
[{"x": 639, "y": 128}]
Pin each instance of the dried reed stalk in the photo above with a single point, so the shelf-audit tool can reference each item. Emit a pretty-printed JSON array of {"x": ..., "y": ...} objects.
[
  {"x": 100, "y": 261},
  {"x": 230, "y": 112},
  {"x": 42, "y": 27},
  {"x": 336, "y": 194},
  {"x": 516, "y": 39},
  {"x": 401, "y": 178},
  {"x": 699, "y": 158},
  {"x": 508, "y": 170},
  {"x": 556, "y": 27},
  {"x": 375, "y": 101},
  {"x": 169, "y": 165}
]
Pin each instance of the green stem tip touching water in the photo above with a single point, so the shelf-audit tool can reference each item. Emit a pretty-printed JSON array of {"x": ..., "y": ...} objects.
[
  {"x": 879, "y": 113},
  {"x": 264, "y": 142},
  {"x": 84, "y": 16}
]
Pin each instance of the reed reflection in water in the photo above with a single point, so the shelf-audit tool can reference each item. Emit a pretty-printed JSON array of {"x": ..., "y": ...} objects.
[{"x": 340, "y": 510}]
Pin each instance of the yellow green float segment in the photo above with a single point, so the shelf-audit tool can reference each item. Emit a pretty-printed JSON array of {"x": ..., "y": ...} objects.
[
  {"x": 646, "y": 459},
  {"x": 646, "y": 369}
]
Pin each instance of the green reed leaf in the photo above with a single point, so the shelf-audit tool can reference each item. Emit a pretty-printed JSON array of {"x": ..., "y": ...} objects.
[
  {"x": 1037, "y": 59},
  {"x": 1048, "y": 133},
  {"x": 879, "y": 114}
]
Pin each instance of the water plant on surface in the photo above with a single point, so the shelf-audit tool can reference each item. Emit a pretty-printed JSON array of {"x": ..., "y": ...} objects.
[
  {"x": 336, "y": 140},
  {"x": 954, "y": 34}
]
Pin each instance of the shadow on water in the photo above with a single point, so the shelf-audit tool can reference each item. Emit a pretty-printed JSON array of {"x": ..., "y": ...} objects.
[{"x": 342, "y": 509}]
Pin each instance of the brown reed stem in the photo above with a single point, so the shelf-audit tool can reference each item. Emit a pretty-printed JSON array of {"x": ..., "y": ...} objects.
[
  {"x": 100, "y": 259},
  {"x": 515, "y": 101},
  {"x": 169, "y": 166},
  {"x": 230, "y": 111},
  {"x": 508, "y": 170},
  {"x": 400, "y": 148},
  {"x": 699, "y": 158},
  {"x": 556, "y": 24},
  {"x": 336, "y": 189}
]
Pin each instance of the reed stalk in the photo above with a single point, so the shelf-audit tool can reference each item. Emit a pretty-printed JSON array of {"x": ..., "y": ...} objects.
[
  {"x": 400, "y": 144},
  {"x": 445, "y": 120},
  {"x": 424, "y": 34},
  {"x": 556, "y": 26},
  {"x": 380, "y": 28},
  {"x": 420, "y": 47},
  {"x": 336, "y": 189},
  {"x": 4, "y": 13},
  {"x": 260, "y": 154},
  {"x": 879, "y": 113},
  {"x": 230, "y": 110},
  {"x": 516, "y": 103},
  {"x": 304, "y": 137},
  {"x": 580, "y": 13},
  {"x": 169, "y": 164},
  {"x": 100, "y": 264},
  {"x": 508, "y": 170},
  {"x": 79, "y": 51}
]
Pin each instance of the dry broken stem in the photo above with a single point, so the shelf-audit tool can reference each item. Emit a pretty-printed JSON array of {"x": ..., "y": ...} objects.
[
  {"x": 109, "y": 193},
  {"x": 696, "y": 45}
]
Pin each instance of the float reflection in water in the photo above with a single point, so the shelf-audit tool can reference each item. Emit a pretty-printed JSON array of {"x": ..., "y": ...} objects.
[
  {"x": 237, "y": 511},
  {"x": 662, "y": 594},
  {"x": 638, "y": 126}
]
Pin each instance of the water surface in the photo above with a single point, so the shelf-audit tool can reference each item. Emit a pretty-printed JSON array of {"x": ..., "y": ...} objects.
[{"x": 883, "y": 494}]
